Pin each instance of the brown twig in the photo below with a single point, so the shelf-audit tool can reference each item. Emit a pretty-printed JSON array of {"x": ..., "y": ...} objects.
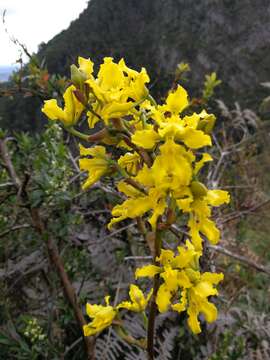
[
  {"x": 67, "y": 286},
  {"x": 142, "y": 152},
  {"x": 8, "y": 164},
  {"x": 53, "y": 252},
  {"x": 240, "y": 258},
  {"x": 153, "y": 305},
  {"x": 136, "y": 185},
  {"x": 14, "y": 228},
  {"x": 245, "y": 212},
  {"x": 231, "y": 254}
]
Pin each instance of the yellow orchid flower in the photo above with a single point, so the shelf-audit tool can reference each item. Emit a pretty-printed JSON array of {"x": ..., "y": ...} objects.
[
  {"x": 131, "y": 208},
  {"x": 97, "y": 166},
  {"x": 102, "y": 317},
  {"x": 192, "y": 138},
  {"x": 71, "y": 112},
  {"x": 81, "y": 74},
  {"x": 137, "y": 80},
  {"x": 172, "y": 128},
  {"x": 172, "y": 271},
  {"x": 134, "y": 207},
  {"x": 86, "y": 66},
  {"x": 197, "y": 203},
  {"x": 195, "y": 300},
  {"x": 117, "y": 90},
  {"x": 130, "y": 162},
  {"x": 138, "y": 301},
  {"x": 146, "y": 138},
  {"x": 176, "y": 101},
  {"x": 173, "y": 280},
  {"x": 171, "y": 169}
]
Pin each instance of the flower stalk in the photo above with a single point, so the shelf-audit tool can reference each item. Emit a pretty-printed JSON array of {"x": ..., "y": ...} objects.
[
  {"x": 154, "y": 149},
  {"x": 153, "y": 306}
]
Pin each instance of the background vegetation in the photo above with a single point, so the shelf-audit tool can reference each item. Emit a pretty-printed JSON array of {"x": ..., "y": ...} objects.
[{"x": 37, "y": 318}]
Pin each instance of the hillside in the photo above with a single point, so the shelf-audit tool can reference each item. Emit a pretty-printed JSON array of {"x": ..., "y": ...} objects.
[{"x": 226, "y": 36}]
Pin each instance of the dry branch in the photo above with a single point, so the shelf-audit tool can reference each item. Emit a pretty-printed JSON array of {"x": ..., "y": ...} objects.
[
  {"x": 240, "y": 258},
  {"x": 53, "y": 252}
]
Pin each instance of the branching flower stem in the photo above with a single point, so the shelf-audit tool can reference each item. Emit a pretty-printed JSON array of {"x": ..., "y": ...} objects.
[{"x": 153, "y": 305}]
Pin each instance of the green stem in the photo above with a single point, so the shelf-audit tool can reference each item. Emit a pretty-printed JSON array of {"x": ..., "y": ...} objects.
[
  {"x": 152, "y": 100},
  {"x": 122, "y": 333},
  {"x": 145, "y": 319},
  {"x": 77, "y": 133}
]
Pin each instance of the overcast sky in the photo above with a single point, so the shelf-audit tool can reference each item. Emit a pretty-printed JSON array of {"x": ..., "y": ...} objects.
[{"x": 34, "y": 21}]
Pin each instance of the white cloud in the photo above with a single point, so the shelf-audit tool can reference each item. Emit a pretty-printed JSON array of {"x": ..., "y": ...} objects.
[{"x": 33, "y": 22}]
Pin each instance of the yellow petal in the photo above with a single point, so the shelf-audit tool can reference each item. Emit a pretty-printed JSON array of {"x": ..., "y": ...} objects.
[
  {"x": 218, "y": 197},
  {"x": 195, "y": 139},
  {"x": 183, "y": 280},
  {"x": 130, "y": 162},
  {"x": 171, "y": 278},
  {"x": 166, "y": 257},
  {"x": 107, "y": 300},
  {"x": 53, "y": 111},
  {"x": 205, "y": 289},
  {"x": 92, "y": 310},
  {"x": 159, "y": 205},
  {"x": 184, "y": 258},
  {"x": 93, "y": 119},
  {"x": 138, "y": 90},
  {"x": 96, "y": 166},
  {"x": 209, "y": 310},
  {"x": 88, "y": 330},
  {"x": 192, "y": 120},
  {"x": 95, "y": 151},
  {"x": 185, "y": 204},
  {"x": 115, "y": 110},
  {"x": 147, "y": 271},
  {"x": 146, "y": 177},
  {"x": 138, "y": 301},
  {"x": 127, "y": 305},
  {"x": 128, "y": 189},
  {"x": 199, "y": 205},
  {"x": 131, "y": 208},
  {"x": 86, "y": 66},
  {"x": 163, "y": 299},
  {"x": 209, "y": 229},
  {"x": 171, "y": 131},
  {"x": 199, "y": 164},
  {"x": 194, "y": 323},
  {"x": 194, "y": 232},
  {"x": 182, "y": 305},
  {"x": 145, "y": 138},
  {"x": 177, "y": 101},
  {"x": 171, "y": 169},
  {"x": 95, "y": 171},
  {"x": 213, "y": 278},
  {"x": 73, "y": 108},
  {"x": 136, "y": 294},
  {"x": 110, "y": 75}
]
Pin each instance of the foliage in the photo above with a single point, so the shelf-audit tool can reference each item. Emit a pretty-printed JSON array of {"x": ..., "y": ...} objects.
[{"x": 100, "y": 262}]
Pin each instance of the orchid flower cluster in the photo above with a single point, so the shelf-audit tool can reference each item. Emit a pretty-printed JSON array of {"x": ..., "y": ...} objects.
[{"x": 160, "y": 153}]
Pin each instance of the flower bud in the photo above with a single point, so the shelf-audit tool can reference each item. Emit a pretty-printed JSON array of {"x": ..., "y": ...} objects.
[
  {"x": 198, "y": 189},
  {"x": 77, "y": 77}
]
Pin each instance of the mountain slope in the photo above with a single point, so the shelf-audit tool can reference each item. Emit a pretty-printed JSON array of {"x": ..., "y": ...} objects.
[{"x": 227, "y": 36}]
